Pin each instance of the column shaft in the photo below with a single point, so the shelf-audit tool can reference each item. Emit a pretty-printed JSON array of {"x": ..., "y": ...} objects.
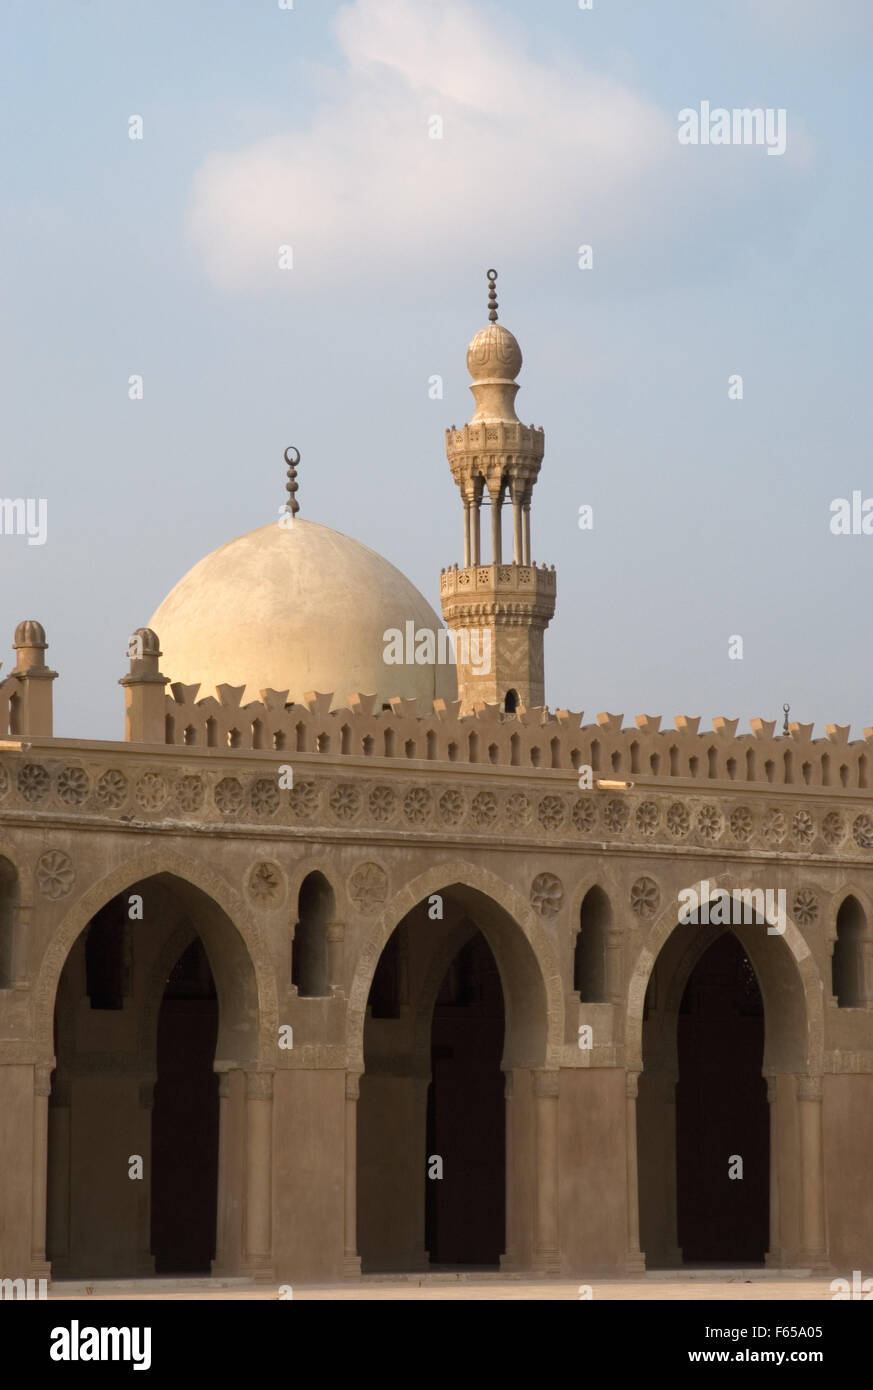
[
  {"x": 496, "y": 536},
  {"x": 509, "y": 1258},
  {"x": 546, "y": 1253},
  {"x": 224, "y": 1203},
  {"x": 635, "y": 1258},
  {"x": 809, "y": 1104},
  {"x": 468, "y": 523},
  {"x": 517, "y": 541},
  {"x": 774, "y": 1257},
  {"x": 259, "y": 1156},
  {"x": 526, "y": 514},
  {"x": 39, "y": 1176},
  {"x": 351, "y": 1259}
]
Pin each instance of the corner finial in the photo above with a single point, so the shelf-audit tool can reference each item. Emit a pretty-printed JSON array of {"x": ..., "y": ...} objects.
[
  {"x": 492, "y": 296},
  {"x": 786, "y": 710},
  {"x": 292, "y": 458}
]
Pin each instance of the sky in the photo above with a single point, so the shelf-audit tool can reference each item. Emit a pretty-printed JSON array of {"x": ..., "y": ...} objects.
[{"x": 310, "y": 127}]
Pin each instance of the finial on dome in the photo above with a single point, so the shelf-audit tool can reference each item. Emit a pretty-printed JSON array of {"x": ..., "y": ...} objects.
[
  {"x": 492, "y": 296},
  {"x": 292, "y": 458}
]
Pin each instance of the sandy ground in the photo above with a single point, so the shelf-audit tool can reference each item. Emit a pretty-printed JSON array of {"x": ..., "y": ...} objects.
[{"x": 704, "y": 1286}]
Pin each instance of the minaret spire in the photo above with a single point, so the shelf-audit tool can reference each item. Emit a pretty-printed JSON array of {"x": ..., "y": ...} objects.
[
  {"x": 492, "y": 296},
  {"x": 495, "y": 451},
  {"x": 292, "y": 458}
]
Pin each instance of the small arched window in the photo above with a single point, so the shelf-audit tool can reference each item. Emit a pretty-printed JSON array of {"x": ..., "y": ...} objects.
[
  {"x": 510, "y": 701},
  {"x": 589, "y": 966},
  {"x": 847, "y": 965},
  {"x": 315, "y": 912},
  {"x": 8, "y": 913}
]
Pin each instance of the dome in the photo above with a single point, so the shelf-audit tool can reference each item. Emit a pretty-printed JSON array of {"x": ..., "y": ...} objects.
[{"x": 296, "y": 608}]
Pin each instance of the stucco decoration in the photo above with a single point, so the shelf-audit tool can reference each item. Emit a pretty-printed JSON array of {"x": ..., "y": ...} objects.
[
  {"x": 547, "y": 894},
  {"x": 55, "y": 874},
  {"x": 368, "y": 887}
]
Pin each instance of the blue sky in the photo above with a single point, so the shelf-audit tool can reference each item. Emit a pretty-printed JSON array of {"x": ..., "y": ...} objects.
[{"x": 309, "y": 127}]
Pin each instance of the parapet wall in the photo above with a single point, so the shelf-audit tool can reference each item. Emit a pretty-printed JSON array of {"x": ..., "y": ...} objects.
[{"x": 535, "y": 738}]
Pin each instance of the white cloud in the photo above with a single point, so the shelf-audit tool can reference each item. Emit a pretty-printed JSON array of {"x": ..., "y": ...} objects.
[{"x": 536, "y": 158}]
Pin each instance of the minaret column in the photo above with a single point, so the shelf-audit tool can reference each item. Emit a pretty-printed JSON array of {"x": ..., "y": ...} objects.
[
  {"x": 510, "y": 606},
  {"x": 496, "y": 537}
]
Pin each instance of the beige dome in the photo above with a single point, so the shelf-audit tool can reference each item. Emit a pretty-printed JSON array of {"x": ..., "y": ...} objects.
[{"x": 296, "y": 607}]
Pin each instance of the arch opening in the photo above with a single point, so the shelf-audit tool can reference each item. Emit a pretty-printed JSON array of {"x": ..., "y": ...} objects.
[
  {"x": 725, "y": 1020},
  {"x": 157, "y": 993},
  {"x": 457, "y": 1003}
]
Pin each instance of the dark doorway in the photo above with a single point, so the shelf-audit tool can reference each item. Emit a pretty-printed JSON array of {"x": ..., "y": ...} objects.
[
  {"x": 722, "y": 1111},
  {"x": 465, "y": 1209},
  {"x": 185, "y": 1120}
]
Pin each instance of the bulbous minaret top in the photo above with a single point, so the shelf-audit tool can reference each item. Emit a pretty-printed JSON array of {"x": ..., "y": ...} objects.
[{"x": 494, "y": 361}]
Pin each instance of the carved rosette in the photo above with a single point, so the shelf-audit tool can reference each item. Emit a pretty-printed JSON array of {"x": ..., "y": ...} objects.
[
  {"x": 417, "y": 805},
  {"x": 616, "y": 814},
  {"x": 152, "y": 791},
  {"x": 228, "y": 796},
  {"x": 833, "y": 829},
  {"x": 345, "y": 801},
  {"x": 805, "y": 907},
  {"x": 645, "y": 896},
  {"x": 773, "y": 826},
  {"x": 547, "y": 894},
  {"x": 646, "y": 817},
  {"x": 368, "y": 887},
  {"x": 862, "y": 832},
  {"x": 73, "y": 785},
  {"x": 264, "y": 796},
  {"x": 741, "y": 824},
  {"x": 112, "y": 789},
  {"x": 190, "y": 792},
  {"x": 55, "y": 874},
  {"x": 584, "y": 815},
  {"x": 452, "y": 806},
  {"x": 517, "y": 810},
  {"x": 709, "y": 823},
  {"x": 381, "y": 802},
  {"x": 678, "y": 819},
  {"x": 483, "y": 810},
  {"x": 803, "y": 828},
  {"x": 33, "y": 782},
  {"x": 303, "y": 800},
  {"x": 266, "y": 883},
  {"x": 551, "y": 813}
]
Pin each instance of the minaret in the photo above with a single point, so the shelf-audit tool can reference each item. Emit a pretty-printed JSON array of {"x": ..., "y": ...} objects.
[{"x": 498, "y": 611}]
